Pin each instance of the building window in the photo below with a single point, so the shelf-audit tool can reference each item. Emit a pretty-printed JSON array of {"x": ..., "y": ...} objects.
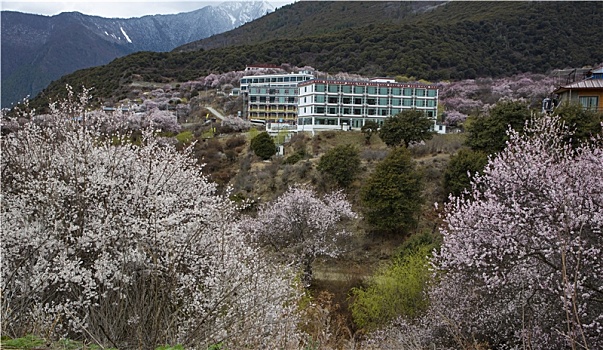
[
  {"x": 320, "y": 109},
  {"x": 333, "y": 88},
  {"x": 407, "y": 102},
  {"x": 371, "y": 111},
  {"x": 357, "y": 111},
  {"x": 346, "y": 89},
  {"x": 332, "y": 99},
  {"x": 347, "y": 110},
  {"x": 371, "y": 101},
  {"x": 431, "y": 103},
  {"x": 372, "y": 90},
  {"x": 432, "y": 93},
  {"x": 253, "y": 98},
  {"x": 383, "y": 111},
  {"x": 396, "y": 101},
  {"x": 383, "y": 91},
  {"x": 420, "y": 103},
  {"x": 319, "y": 98},
  {"x": 589, "y": 102},
  {"x": 395, "y": 111},
  {"x": 396, "y": 91},
  {"x": 320, "y": 88},
  {"x": 332, "y": 110},
  {"x": 407, "y": 92},
  {"x": 346, "y": 100},
  {"x": 383, "y": 101},
  {"x": 357, "y": 101},
  {"x": 358, "y": 89},
  {"x": 420, "y": 92}
]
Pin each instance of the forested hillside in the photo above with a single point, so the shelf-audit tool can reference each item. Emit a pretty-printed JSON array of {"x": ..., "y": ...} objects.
[
  {"x": 309, "y": 18},
  {"x": 458, "y": 40}
]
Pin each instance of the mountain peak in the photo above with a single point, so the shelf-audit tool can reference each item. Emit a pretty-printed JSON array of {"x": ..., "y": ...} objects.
[{"x": 36, "y": 50}]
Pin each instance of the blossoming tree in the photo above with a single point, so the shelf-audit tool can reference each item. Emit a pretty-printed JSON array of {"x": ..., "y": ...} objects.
[
  {"x": 300, "y": 226},
  {"x": 128, "y": 245},
  {"x": 520, "y": 265}
]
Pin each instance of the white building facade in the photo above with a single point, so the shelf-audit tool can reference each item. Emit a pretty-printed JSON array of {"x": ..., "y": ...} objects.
[
  {"x": 340, "y": 104},
  {"x": 272, "y": 98}
]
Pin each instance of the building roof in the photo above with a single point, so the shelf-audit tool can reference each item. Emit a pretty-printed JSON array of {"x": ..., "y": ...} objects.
[
  {"x": 586, "y": 84},
  {"x": 365, "y": 83}
]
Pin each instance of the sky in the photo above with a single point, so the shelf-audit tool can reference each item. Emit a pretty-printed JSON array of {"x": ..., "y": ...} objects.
[{"x": 115, "y": 8}]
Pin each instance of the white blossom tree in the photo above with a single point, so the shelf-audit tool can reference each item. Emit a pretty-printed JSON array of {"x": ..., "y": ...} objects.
[
  {"x": 300, "y": 226},
  {"x": 521, "y": 261},
  {"x": 128, "y": 246}
]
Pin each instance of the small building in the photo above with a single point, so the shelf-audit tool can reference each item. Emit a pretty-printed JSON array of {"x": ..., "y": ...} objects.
[
  {"x": 341, "y": 104},
  {"x": 262, "y": 68},
  {"x": 588, "y": 92}
]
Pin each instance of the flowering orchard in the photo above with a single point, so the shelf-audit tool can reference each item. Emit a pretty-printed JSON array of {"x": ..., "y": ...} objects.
[
  {"x": 520, "y": 265},
  {"x": 128, "y": 246}
]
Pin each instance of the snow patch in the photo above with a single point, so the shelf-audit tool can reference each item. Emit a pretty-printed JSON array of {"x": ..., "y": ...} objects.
[
  {"x": 107, "y": 34},
  {"x": 125, "y": 35},
  {"x": 232, "y": 19}
]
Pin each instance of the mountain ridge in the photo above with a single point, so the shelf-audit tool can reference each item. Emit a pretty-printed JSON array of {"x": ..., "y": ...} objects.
[
  {"x": 32, "y": 44},
  {"x": 457, "y": 40}
]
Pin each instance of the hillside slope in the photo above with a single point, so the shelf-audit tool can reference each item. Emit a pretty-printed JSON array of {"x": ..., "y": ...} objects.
[
  {"x": 458, "y": 40},
  {"x": 310, "y": 18}
]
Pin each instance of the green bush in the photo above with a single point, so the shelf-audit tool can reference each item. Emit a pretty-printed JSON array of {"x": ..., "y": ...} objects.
[
  {"x": 263, "y": 146},
  {"x": 185, "y": 137},
  {"x": 340, "y": 165},
  {"x": 583, "y": 123},
  {"x": 391, "y": 196},
  {"x": 456, "y": 179},
  {"x": 295, "y": 157},
  {"x": 398, "y": 289},
  {"x": 488, "y": 133}
]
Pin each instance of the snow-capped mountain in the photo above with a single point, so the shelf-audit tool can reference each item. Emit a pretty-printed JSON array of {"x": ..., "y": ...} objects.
[{"x": 38, "y": 49}]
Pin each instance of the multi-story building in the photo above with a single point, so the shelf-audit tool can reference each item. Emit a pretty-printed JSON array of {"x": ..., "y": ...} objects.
[
  {"x": 272, "y": 97},
  {"x": 340, "y": 104}
]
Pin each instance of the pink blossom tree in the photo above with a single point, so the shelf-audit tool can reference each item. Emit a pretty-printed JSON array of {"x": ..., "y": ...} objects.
[
  {"x": 163, "y": 120},
  {"x": 128, "y": 245},
  {"x": 520, "y": 265},
  {"x": 300, "y": 226}
]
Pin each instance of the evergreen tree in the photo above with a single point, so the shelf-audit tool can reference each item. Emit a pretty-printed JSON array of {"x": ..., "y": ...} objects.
[
  {"x": 392, "y": 195},
  {"x": 340, "y": 164},
  {"x": 406, "y": 127},
  {"x": 263, "y": 145},
  {"x": 461, "y": 168},
  {"x": 488, "y": 133}
]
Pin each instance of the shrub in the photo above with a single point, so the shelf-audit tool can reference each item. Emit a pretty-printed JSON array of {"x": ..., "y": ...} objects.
[
  {"x": 294, "y": 158},
  {"x": 391, "y": 196},
  {"x": 461, "y": 168},
  {"x": 234, "y": 142},
  {"x": 185, "y": 137},
  {"x": 263, "y": 146},
  {"x": 340, "y": 165},
  {"x": 398, "y": 289}
]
